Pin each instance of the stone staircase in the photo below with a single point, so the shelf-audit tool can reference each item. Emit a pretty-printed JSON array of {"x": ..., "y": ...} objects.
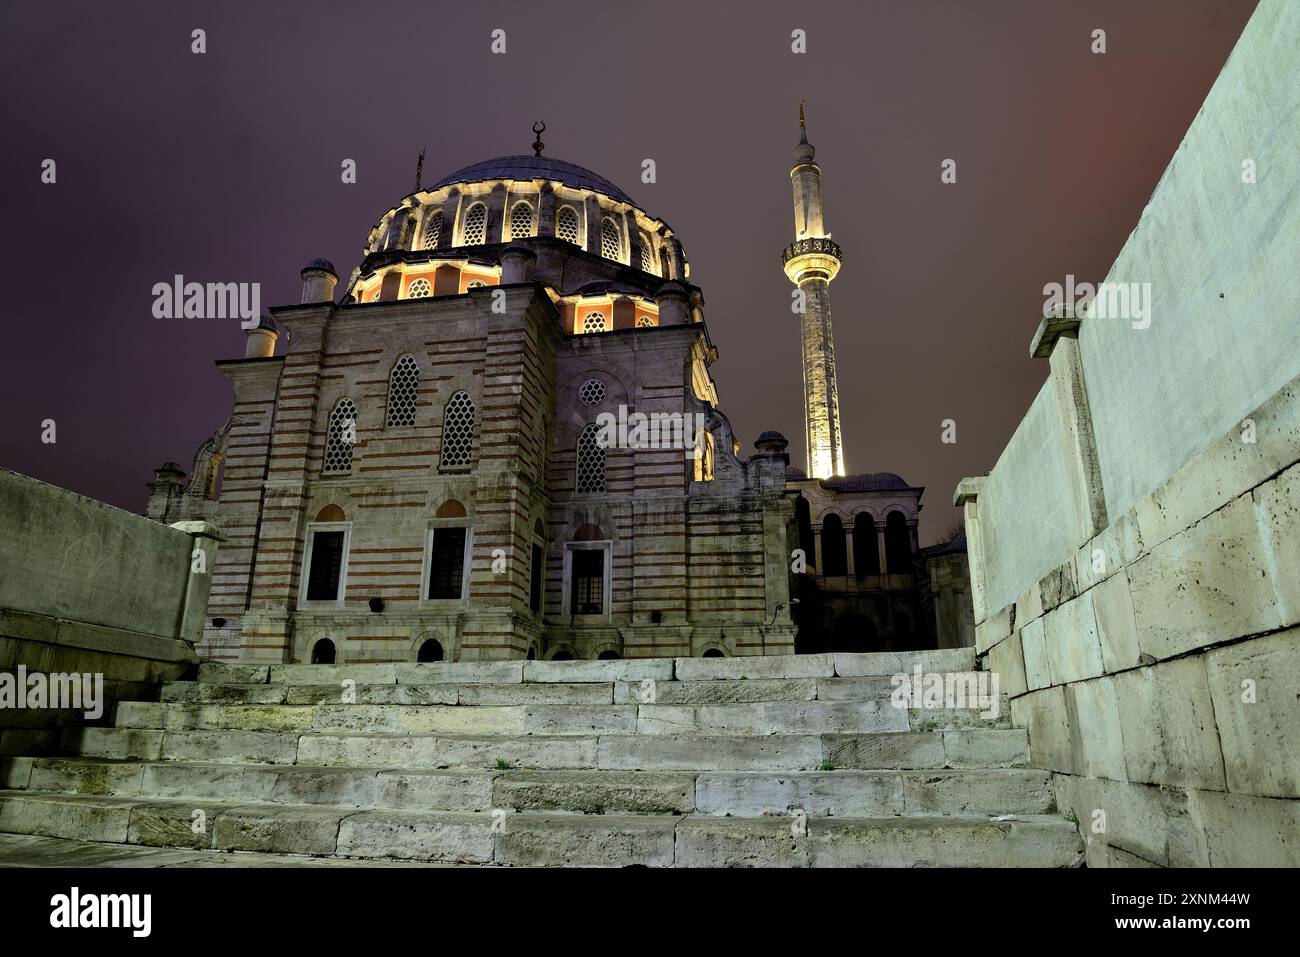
[{"x": 749, "y": 761}]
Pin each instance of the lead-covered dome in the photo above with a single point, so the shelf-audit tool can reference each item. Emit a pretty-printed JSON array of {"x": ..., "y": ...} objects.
[{"x": 535, "y": 167}]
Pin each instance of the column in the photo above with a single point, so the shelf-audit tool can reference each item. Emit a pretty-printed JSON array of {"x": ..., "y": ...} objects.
[{"x": 1057, "y": 340}]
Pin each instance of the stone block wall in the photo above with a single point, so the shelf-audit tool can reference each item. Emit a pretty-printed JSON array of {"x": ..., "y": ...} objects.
[
  {"x": 89, "y": 589},
  {"x": 1158, "y": 670},
  {"x": 1135, "y": 551}
]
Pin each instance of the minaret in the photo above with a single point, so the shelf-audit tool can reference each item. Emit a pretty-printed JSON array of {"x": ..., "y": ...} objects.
[{"x": 811, "y": 262}]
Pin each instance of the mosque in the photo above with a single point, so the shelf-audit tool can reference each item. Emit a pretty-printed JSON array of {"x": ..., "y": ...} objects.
[{"x": 419, "y": 474}]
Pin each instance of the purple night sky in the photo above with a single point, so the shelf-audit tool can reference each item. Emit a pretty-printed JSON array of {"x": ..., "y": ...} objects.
[{"x": 225, "y": 167}]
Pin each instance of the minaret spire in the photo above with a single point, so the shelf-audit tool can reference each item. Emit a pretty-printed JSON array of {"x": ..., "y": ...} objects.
[{"x": 811, "y": 262}]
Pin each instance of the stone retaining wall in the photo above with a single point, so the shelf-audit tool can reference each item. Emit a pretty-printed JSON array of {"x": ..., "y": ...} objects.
[
  {"x": 86, "y": 588},
  {"x": 1143, "y": 607}
]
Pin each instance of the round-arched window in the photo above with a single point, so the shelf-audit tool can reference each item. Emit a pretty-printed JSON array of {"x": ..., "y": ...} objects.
[
  {"x": 521, "y": 221},
  {"x": 475, "y": 232},
  {"x": 610, "y": 240},
  {"x": 419, "y": 289},
  {"x": 594, "y": 322},
  {"x": 566, "y": 224},
  {"x": 433, "y": 231},
  {"x": 592, "y": 391}
]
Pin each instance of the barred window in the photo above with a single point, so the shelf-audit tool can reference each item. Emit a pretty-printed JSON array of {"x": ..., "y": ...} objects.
[
  {"x": 433, "y": 230},
  {"x": 645, "y": 322},
  {"x": 610, "y": 242},
  {"x": 475, "y": 226},
  {"x": 458, "y": 431},
  {"x": 341, "y": 437},
  {"x": 594, "y": 322},
  {"x": 592, "y": 391},
  {"x": 419, "y": 289},
  {"x": 566, "y": 224},
  {"x": 591, "y": 460},
  {"x": 476, "y": 284},
  {"x": 403, "y": 384},
  {"x": 647, "y": 254},
  {"x": 521, "y": 221}
]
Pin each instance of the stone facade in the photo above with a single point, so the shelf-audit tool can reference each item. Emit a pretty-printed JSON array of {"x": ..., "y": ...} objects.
[
  {"x": 442, "y": 421},
  {"x": 474, "y": 359}
]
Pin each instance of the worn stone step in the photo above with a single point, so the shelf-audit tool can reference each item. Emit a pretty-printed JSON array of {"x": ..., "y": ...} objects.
[
  {"x": 982, "y": 748},
  {"x": 466, "y": 789},
  {"x": 628, "y": 752},
  {"x": 759, "y": 718},
  {"x": 751, "y": 667},
  {"x": 1028, "y": 841},
  {"x": 194, "y": 692},
  {"x": 823, "y": 666},
  {"x": 27, "y": 851},
  {"x": 762, "y": 718},
  {"x": 741, "y": 794},
  {"x": 523, "y": 839},
  {"x": 874, "y": 793}
]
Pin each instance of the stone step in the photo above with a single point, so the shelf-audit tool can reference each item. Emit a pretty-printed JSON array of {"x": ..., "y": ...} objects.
[
  {"x": 749, "y": 667},
  {"x": 26, "y": 851},
  {"x": 844, "y": 793},
  {"x": 624, "y": 752},
  {"x": 537, "y": 839},
  {"x": 805, "y": 717}
]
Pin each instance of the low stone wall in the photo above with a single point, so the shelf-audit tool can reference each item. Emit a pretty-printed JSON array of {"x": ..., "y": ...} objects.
[
  {"x": 90, "y": 590},
  {"x": 1158, "y": 671}
]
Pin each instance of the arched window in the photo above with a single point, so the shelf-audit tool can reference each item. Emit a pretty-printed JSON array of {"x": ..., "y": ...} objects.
[
  {"x": 476, "y": 284},
  {"x": 645, "y": 322},
  {"x": 834, "y": 554},
  {"x": 458, "y": 431},
  {"x": 608, "y": 656},
  {"x": 647, "y": 254},
  {"x": 591, "y": 460},
  {"x": 562, "y": 656},
  {"x": 592, "y": 392},
  {"x": 341, "y": 437},
  {"x": 322, "y": 653},
  {"x": 713, "y": 653},
  {"x": 898, "y": 545},
  {"x": 433, "y": 230},
  {"x": 566, "y": 224},
  {"x": 521, "y": 221},
  {"x": 475, "y": 232},
  {"x": 866, "y": 557},
  {"x": 403, "y": 384},
  {"x": 610, "y": 240},
  {"x": 431, "y": 650},
  {"x": 594, "y": 322},
  {"x": 803, "y": 524},
  {"x": 419, "y": 289}
]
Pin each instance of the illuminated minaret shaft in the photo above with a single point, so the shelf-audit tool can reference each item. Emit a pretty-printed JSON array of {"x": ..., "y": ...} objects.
[{"x": 811, "y": 262}]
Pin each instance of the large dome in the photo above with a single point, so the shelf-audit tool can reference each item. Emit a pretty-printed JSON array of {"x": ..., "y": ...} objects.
[{"x": 535, "y": 167}]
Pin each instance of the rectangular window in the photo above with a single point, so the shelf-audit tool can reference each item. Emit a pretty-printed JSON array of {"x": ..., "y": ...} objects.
[
  {"x": 447, "y": 563},
  {"x": 535, "y": 587},
  {"x": 326, "y": 566},
  {"x": 588, "y": 581}
]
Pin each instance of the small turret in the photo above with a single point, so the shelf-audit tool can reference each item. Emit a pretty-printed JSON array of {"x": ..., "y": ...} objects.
[
  {"x": 318, "y": 281},
  {"x": 260, "y": 340}
]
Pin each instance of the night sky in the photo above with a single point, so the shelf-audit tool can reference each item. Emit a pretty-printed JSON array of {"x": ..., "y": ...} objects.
[{"x": 225, "y": 167}]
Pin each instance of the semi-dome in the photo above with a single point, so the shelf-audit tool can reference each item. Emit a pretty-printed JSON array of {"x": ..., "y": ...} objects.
[{"x": 535, "y": 167}]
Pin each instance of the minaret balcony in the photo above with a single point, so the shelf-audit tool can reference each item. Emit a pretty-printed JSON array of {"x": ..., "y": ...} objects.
[{"x": 816, "y": 258}]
